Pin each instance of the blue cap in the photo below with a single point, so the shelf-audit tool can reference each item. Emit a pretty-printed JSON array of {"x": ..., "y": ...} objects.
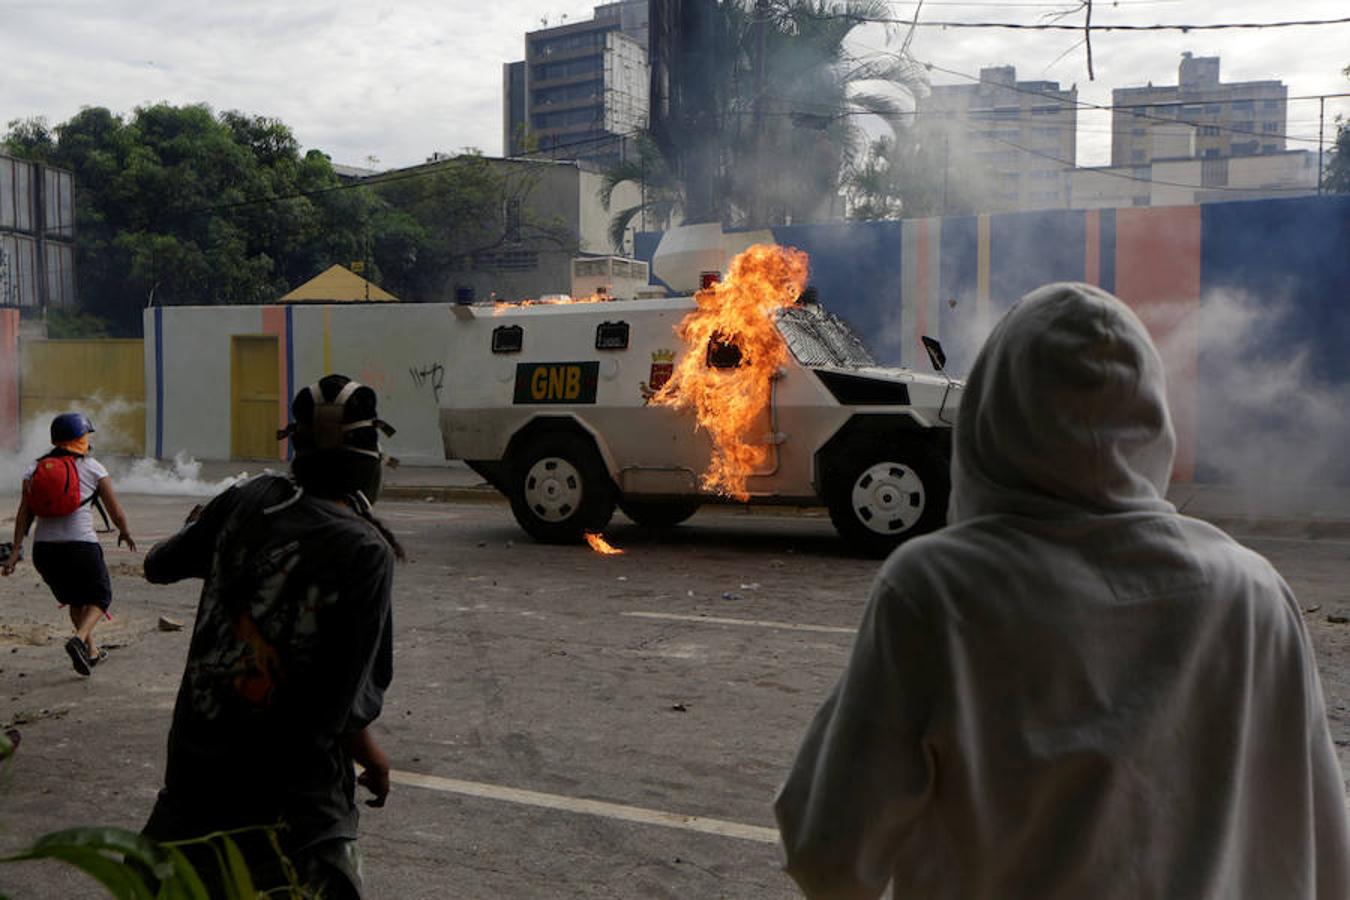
[{"x": 70, "y": 426}]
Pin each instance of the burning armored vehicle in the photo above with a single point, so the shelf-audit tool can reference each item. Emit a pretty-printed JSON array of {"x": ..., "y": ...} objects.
[{"x": 748, "y": 391}]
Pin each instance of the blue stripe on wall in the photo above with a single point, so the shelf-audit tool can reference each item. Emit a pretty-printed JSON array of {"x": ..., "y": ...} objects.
[
  {"x": 1285, "y": 264},
  {"x": 159, "y": 382},
  {"x": 644, "y": 248},
  {"x": 856, "y": 272},
  {"x": 1107, "y": 256},
  {"x": 1027, "y": 250}
]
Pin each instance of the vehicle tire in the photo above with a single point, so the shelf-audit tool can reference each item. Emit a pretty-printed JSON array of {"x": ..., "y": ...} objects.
[
  {"x": 560, "y": 489},
  {"x": 659, "y": 513},
  {"x": 880, "y": 497}
]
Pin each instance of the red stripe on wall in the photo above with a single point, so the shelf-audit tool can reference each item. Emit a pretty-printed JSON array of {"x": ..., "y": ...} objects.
[
  {"x": 1158, "y": 275},
  {"x": 9, "y": 378},
  {"x": 921, "y": 276},
  {"x": 274, "y": 322},
  {"x": 1092, "y": 242}
]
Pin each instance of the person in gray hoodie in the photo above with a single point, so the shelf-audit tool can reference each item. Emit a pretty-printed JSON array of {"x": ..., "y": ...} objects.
[{"x": 1072, "y": 691}]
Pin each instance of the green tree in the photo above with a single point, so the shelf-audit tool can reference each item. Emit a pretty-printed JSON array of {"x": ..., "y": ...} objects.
[
  {"x": 661, "y": 199},
  {"x": 768, "y": 126},
  {"x": 910, "y": 176},
  {"x": 1337, "y": 176},
  {"x": 452, "y": 216},
  {"x": 176, "y": 205}
]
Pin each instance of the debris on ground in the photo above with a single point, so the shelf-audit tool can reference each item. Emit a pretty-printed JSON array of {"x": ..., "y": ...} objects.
[
  {"x": 1338, "y": 620},
  {"x": 752, "y": 586},
  {"x": 679, "y": 707},
  {"x": 167, "y": 624},
  {"x": 728, "y": 595},
  {"x": 1312, "y": 609},
  {"x": 29, "y": 716}
]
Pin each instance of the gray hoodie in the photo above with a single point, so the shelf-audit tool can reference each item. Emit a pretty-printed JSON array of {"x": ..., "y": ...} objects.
[{"x": 1072, "y": 691}]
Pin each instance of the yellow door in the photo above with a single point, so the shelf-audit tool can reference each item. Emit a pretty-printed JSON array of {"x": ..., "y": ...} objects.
[
  {"x": 254, "y": 397},
  {"x": 102, "y": 378}
]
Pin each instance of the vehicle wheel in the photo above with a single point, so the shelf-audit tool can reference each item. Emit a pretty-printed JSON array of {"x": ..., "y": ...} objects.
[
  {"x": 560, "y": 489},
  {"x": 659, "y": 513},
  {"x": 879, "y": 498}
]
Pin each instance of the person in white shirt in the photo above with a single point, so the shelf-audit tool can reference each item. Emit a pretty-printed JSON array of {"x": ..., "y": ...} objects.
[
  {"x": 1072, "y": 691},
  {"x": 66, "y": 551}
]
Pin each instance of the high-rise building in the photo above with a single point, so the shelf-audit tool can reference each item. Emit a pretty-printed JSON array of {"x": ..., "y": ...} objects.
[
  {"x": 1238, "y": 118},
  {"x": 581, "y": 91},
  {"x": 37, "y": 235},
  {"x": 1007, "y": 144}
]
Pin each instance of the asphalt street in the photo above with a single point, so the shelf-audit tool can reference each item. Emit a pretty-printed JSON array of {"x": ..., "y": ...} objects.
[{"x": 562, "y": 724}]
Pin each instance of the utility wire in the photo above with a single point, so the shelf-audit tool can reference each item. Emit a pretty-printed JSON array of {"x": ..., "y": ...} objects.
[
  {"x": 1084, "y": 104},
  {"x": 1136, "y": 108},
  {"x": 1055, "y": 26},
  {"x": 1070, "y": 168}
]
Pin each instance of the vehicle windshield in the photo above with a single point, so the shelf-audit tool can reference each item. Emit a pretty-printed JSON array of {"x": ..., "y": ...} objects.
[{"x": 819, "y": 338}]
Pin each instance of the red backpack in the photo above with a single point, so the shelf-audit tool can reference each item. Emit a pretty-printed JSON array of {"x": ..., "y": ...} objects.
[{"x": 54, "y": 489}]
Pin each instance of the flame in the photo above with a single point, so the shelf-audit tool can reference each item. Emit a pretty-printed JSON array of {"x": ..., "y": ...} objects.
[
  {"x": 500, "y": 306},
  {"x": 600, "y": 545},
  {"x": 731, "y": 402}
]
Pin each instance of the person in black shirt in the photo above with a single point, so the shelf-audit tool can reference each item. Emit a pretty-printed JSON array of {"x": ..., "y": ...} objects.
[{"x": 290, "y": 655}]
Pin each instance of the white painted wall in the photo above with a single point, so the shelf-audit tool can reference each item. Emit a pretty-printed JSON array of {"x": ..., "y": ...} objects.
[{"x": 395, "y": 348}]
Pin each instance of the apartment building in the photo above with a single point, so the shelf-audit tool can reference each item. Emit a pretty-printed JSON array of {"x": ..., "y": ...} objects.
[
  {"x": 1011, "y": 143},
  {"x": 582, "y": 89},
  {"x": 1238, "y": 118},
  {"x": 37, "y": 234}
]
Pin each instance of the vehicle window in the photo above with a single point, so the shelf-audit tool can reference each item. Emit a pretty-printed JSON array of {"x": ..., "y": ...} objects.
[
  {"x": 818, "y": 338},
  {"x": 723, "y": 353},
  {"x": 611, "y": 336},
  {"x": 508, "y": 339}
]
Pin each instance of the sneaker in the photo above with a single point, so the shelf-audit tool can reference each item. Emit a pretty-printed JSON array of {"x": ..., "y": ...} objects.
[
  {"x": 96, "y": 658},
  {"x": 79, "y": 655}
]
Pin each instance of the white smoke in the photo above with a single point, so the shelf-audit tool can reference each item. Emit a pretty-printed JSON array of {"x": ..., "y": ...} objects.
[
  {"x": 1265, "y": 423},
  {"x": 130, "y": 474},
  {"x": 180, "y": 477}
]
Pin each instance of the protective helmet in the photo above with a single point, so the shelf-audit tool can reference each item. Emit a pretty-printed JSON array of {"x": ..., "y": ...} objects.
[
  {"x": 335, "y": 413},
  {"x": 70, "y": 426},
  {"x": 336, "y": 437}
]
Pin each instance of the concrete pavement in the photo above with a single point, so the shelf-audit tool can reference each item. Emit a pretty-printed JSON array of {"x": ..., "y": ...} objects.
[{"x": 1271, "y": 508}]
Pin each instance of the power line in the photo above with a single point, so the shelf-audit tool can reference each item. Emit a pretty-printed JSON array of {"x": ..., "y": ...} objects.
[
  {"x": 1070, "y": 168},
  {"x": 1135, "y": 107},
  {"x": 831, "y": 113},
  {"x": 1055, "y": 26}
]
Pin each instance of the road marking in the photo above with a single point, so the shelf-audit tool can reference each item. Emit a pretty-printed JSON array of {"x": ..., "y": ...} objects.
[
  {"x": 757, "y": 623},
  {"x": 1257, "y": 538},
  {"x": 586, "y": 807}
]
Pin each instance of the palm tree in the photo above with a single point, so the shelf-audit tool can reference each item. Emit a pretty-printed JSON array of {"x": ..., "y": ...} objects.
[
  {"x": 661, "y": 200},
  {"x": 787, "y": 105}
]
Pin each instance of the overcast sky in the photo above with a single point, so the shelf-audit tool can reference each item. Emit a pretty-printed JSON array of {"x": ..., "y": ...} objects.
[{"x": 399, "y": 81}]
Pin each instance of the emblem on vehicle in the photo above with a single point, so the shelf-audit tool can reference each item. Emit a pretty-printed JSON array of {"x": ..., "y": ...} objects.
[{"x": 663, "y": 366}]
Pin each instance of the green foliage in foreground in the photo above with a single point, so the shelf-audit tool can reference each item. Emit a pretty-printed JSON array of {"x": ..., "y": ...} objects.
[{"x": 126, "y": 864}]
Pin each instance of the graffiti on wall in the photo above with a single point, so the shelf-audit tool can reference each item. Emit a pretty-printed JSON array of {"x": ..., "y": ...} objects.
[{"x": 433, "y": 375}]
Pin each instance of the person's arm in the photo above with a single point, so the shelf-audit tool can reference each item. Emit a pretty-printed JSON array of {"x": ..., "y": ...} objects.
[
  {"x": 105, "y": 495},
  {"x": 187, "y": 554},
  {"x": 22, "y": 520},
  {"x": 863, "y": 774},
  {"x": 364, "y": 658},
  {"x": 374, "y": 765}
]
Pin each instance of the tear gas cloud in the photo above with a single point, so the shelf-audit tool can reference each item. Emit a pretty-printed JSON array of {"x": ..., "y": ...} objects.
[
  {"x": 1266, "y": 424},
  {"x": 130, "y": 475}
]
